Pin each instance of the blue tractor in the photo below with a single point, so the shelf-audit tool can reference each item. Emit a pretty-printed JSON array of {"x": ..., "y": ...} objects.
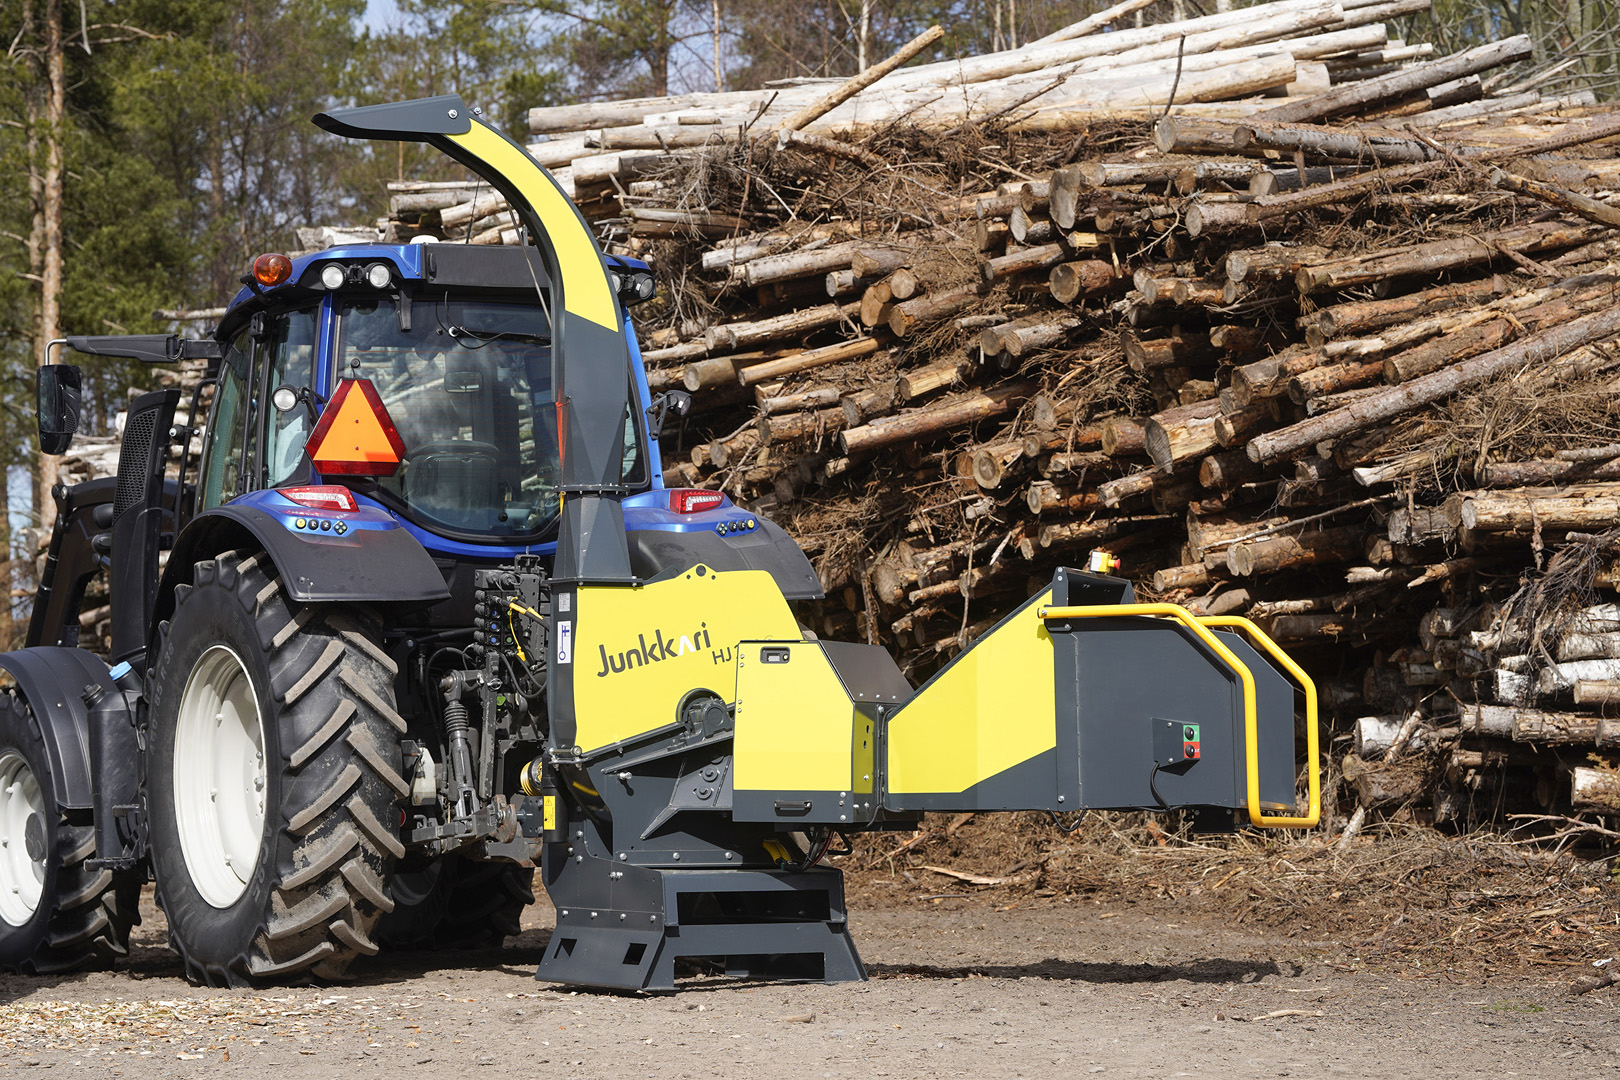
[{"x": 429, "y": 620}]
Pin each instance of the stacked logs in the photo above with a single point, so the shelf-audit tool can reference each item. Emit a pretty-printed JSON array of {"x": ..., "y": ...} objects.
[
  {"x": 1312, "y": 362},
  {"x": 1529, "y": 689},
  {"x": 1285, "y": 54}
]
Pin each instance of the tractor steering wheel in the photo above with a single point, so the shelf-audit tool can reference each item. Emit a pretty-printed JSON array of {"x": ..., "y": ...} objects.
[{"x": 457, "y": 447}]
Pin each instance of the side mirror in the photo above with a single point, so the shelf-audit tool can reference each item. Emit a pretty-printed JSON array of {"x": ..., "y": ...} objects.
[
  {"x": 670, "y": 403},
  {"x": 59, "y": 389}
]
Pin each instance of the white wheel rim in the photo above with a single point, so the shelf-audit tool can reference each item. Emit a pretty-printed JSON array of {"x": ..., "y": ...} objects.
[
  {"x": 22, "y": 878},
  {"x": 219, "y": 776}
]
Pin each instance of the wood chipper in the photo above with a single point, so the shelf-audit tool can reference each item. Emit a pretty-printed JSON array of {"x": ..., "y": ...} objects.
[{"x": 430, "y": 619}]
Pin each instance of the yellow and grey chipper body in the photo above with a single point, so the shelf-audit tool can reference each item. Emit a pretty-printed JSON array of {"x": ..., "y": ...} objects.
[{"x": 698, "y": 737}]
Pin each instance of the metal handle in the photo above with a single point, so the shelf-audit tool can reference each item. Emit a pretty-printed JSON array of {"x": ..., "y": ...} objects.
[
  {"x": 1251, "y": 727},
  {"x": 1313, "y": 812}
]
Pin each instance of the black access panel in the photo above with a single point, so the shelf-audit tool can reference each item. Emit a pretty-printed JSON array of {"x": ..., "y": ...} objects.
[{"x": 1159, "y": 717}]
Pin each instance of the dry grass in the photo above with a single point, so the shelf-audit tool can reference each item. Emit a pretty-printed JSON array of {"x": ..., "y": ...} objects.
[{"x": 1401, "y": 895}]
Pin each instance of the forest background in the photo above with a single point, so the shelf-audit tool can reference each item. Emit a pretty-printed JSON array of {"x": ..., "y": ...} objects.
[{"x": 150, "y": 148}]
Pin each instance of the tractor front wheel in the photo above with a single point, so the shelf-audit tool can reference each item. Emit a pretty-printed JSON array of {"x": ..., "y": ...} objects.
[
  {"x": 56, "y": 914},
  {"x": 274, "y": 773}
]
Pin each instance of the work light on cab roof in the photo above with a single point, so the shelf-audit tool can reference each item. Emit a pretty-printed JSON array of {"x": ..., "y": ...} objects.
[
  {"x": 379, "y": 275},
  {"x": 633, "y": 285}
]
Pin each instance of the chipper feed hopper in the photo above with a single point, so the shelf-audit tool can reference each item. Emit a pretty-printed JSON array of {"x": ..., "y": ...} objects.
[{"x": 430, "y": 619}]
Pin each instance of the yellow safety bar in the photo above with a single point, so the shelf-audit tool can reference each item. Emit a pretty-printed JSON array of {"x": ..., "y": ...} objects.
[
  {"x": 1313, "y": 812},
  {"x": 1251, "y": 727}
]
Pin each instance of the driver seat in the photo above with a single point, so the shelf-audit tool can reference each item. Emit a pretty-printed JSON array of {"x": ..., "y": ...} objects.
[{"x": 456, "y": 482}]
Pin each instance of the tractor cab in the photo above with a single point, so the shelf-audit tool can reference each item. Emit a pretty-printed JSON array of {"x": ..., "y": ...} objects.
[{"x": 417, "y": 376}]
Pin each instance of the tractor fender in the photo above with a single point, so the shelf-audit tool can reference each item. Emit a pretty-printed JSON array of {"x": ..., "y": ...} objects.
[
  {"x": 51, "y": 680},
  {"x": 373, "y": 561}
]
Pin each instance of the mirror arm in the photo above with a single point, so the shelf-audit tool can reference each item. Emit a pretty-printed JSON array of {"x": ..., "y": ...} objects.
[
  {"x": 200, "y": 349},
  {"x": 677, "y": 402},
  {"x": 304, "y": 396},
  {"x": 307, "y": 396}
]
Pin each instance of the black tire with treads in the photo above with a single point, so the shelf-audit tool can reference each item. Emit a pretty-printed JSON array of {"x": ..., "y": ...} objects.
[
  {"x": 83, "y": 917},
  {"x": 456, "y": 903},
  {"x": 333, "y": 774}
]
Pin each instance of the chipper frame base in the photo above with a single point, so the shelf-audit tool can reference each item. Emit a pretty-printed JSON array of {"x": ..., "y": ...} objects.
[{"x": 757, "y": 923}]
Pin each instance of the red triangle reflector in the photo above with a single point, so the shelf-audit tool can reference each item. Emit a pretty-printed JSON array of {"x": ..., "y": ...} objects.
[{"x": 355, "y": 435}]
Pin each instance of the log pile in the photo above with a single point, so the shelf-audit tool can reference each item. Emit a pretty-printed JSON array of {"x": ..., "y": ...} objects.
[
  {"x": 1334, "y": 347},
  {"x": 1294, "y": 60}
]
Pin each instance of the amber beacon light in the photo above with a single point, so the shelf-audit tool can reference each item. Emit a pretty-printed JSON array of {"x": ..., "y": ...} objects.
[{"x": 271, "y": 269}]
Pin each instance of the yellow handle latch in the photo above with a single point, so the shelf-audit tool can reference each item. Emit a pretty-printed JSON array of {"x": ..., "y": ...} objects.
[{"x": 1251, "y": 727}]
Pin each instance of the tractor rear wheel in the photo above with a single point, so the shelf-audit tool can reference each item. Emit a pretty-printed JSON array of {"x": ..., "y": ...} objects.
[
  {"x": 457, "y": 903},
  {"x": 55, "y": 914},
  {"x": 274, "y": 772}
]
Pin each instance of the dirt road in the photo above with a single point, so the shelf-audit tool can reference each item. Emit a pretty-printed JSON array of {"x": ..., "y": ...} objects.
[{"x": 959, "y": 988}]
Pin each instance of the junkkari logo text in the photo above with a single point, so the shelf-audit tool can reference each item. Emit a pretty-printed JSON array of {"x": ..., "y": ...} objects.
[{"x": 646, "y": 653}]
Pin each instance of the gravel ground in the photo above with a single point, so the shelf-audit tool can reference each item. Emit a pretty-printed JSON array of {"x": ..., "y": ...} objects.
[{"x": 960, "y": 987}]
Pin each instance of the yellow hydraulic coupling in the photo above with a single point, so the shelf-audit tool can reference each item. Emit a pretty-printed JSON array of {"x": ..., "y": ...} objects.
[
  {"x": 537, "y": 780},
  {"x": 531, "y": 778}
]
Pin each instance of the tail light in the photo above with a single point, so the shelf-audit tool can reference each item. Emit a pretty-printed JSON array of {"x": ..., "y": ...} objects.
[
  {"x": 694, "y": 500},
  {"x": 324, "y": 497}
]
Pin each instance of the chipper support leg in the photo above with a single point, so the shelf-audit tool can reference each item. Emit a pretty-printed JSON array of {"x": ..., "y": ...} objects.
[{"x": 624, "y": 927}]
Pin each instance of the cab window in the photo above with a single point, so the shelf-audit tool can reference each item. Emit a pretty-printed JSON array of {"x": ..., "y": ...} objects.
[
  {"x": 227, "y": 423},
  {"x": 289, "y": 352},
  {"x": 466, "y": 381}
]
